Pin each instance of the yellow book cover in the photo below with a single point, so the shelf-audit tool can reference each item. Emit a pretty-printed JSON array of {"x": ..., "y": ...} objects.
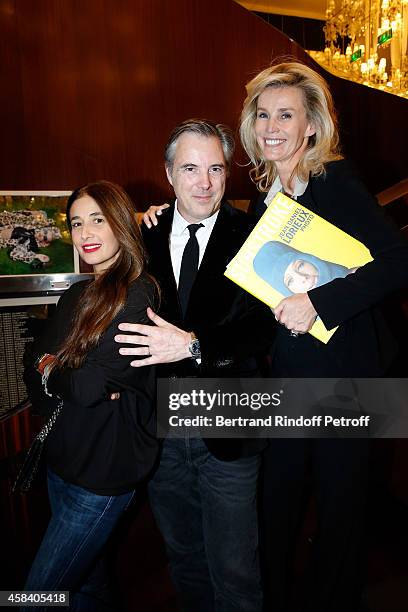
[{"x": 292, "y": 250}]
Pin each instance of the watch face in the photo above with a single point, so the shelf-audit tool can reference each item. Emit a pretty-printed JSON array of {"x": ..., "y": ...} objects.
[{"x": 195, "y": 348}]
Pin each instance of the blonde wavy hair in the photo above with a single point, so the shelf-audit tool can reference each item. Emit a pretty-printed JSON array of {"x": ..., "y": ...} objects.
[{"x": 322, "y": 147}]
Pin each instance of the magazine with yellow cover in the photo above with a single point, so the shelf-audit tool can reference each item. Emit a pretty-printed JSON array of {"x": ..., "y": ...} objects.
[{"x": 292, "y": 250}]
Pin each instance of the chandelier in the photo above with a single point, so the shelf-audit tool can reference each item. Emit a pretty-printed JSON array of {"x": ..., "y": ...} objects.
[{"x": 366, "y": 41}]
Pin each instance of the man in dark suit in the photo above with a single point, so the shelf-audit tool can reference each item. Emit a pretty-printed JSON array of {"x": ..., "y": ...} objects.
[{"x": 203, "y": 494}]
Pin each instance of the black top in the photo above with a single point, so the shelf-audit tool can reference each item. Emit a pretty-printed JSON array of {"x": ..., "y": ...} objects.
[
  {"x": 362, "y": 345},
  {"x": 103, "y": 445}
]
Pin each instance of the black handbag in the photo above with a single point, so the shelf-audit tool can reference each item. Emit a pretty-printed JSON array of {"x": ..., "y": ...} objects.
[{"x": 31, "y": 461}]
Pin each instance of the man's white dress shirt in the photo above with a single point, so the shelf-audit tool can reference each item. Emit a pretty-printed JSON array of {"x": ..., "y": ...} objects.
[{"x": 179, "y": 236}]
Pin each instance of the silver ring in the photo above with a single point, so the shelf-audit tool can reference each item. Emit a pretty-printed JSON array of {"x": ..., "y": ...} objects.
[{"x": 294, "y": 333}]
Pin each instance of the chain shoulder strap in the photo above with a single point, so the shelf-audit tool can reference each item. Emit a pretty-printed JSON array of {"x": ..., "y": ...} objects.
[{"x": 43, "y": 433}]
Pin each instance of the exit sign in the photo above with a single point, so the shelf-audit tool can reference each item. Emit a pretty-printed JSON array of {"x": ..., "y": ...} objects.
[
  {"x": 355, "y": 56},
  {"x": 385, "y": 37}
]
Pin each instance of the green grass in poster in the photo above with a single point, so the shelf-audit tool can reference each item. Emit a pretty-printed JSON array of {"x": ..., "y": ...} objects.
[{"x": 59, "y": 253}]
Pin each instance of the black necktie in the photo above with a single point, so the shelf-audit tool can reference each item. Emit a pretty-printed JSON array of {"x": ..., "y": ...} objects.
[{"x": 189, "y": 266}]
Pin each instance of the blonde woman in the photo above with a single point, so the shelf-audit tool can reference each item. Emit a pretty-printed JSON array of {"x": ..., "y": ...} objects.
[{"x": 289, "y": 131}]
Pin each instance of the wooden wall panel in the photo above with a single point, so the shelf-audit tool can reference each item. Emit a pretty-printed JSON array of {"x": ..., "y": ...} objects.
[{"x": 91, "y": 90}]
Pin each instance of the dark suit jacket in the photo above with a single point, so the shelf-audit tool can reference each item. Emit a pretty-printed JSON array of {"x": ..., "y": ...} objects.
[
  {"x": 362, "y": 346},
  {"x": 232, "y": 326}
]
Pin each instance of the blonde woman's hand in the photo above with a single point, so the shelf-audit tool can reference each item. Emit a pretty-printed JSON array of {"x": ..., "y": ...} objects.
[
  {"x": 151, "y": 214},
  {"x": 296, "y": 313}
]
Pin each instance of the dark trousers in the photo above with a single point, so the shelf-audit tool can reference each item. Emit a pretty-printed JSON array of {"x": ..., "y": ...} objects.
[
  {"x": 206, "y": 512},
  {"x": 339, "y": 469}
]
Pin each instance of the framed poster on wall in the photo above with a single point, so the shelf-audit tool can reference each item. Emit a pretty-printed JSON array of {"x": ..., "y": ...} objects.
[{"x": 36, "y": 253}]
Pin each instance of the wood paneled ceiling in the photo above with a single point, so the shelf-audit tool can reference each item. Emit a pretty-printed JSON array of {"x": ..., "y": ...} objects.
[{"x": 313, "y": 9}]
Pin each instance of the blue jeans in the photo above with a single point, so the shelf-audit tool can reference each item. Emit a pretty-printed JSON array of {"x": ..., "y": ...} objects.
[
  {"x": 70, "y": 557},
  {"x": 206, "y": 512}
]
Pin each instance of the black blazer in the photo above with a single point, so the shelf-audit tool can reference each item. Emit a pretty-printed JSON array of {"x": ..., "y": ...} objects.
[
  {"x": 233, "y": 327},
  {"x": 363, "y": 345}
]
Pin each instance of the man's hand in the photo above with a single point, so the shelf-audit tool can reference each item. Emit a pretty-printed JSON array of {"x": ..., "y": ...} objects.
[
  {"x": 163, "y": 343},
  {"x": 150, "y": 216},
  {"x": 296, "y": 313}
]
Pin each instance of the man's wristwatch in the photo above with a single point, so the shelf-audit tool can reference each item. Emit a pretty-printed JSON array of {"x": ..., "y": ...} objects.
[{"x": 194, "y": 346}]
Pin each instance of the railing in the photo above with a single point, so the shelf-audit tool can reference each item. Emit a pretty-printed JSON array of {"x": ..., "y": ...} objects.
[{"x": 399, "y": 190}]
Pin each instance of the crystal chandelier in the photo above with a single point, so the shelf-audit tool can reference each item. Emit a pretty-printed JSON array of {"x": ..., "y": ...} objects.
[{"x": 366, "y": 41}]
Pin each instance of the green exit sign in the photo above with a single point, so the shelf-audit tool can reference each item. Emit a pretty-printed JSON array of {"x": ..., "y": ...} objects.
[
  {"x": 385, "y": 37},
  {"x": 355, "y": 56}
]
